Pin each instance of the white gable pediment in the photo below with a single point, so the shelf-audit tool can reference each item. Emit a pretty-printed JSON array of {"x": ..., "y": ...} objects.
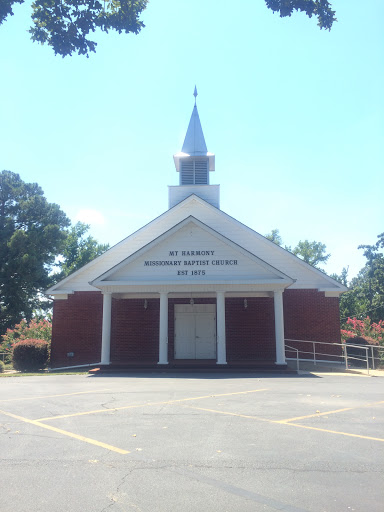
[
  {"x": 191, "y": 252},
  {"x": 216, "y": 222}
]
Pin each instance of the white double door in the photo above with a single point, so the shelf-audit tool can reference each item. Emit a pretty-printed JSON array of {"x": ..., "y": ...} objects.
[{"x": 195, "y": 331}]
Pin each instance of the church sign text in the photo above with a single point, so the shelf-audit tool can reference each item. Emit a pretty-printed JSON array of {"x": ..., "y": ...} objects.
[{"x": 211, "y": 262}]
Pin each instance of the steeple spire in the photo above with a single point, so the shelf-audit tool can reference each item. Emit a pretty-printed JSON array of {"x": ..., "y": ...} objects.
[{"x": 194, "y": 142}]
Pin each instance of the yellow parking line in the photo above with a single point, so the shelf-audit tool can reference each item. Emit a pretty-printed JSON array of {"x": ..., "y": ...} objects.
[
  {"x": 147, "y": 404},
  {"x": 229, "y": 413},
  {"x": 54, "y": 396},
  {"x": 334, "y": 432},
  {"x": 286, "y": 423},
  {"x": 68, "y": 434},
  {"x": 329, "y": 412}
]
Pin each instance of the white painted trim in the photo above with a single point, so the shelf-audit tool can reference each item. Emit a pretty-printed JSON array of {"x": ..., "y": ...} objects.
[
  {"x": 331, "y": 293},
  {"x": 106, "y": 329},
  {"x": 220, "y": 333},
  {"x": 58, "y": 293},
  {"x": 187, "y": 295},
  {"x": 279, "y": 326},
  {"x": 163, "y": 329},
  {"x": 189, "y": 287}
]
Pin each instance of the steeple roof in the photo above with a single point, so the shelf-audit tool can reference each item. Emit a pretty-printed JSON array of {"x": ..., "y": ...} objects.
[{"x": 194, "y": 142}]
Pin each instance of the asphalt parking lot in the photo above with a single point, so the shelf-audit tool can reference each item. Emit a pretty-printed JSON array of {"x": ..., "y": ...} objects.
[{"x": 159, "y": 442}]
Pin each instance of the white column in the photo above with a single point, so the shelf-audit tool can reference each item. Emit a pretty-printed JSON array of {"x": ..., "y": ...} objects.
[
  {"x": 220, "y": 315},
  {"x": 279, "y": 326},
  {"x": 163, "y": 329},
  {"x": 106, "y": 332}
]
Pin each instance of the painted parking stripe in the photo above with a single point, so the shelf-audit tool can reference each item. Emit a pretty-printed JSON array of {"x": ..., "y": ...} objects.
[
  {"x": 229, "y": 413},
  {"x": 148, "y": 404},
  {"x": 330, "y": 412},
  {"x": 334, "y": 432},
  {"x": 55, "y": 396},
  {"x": 286, "y": 423},
  {"x": 66, "y": 433}
]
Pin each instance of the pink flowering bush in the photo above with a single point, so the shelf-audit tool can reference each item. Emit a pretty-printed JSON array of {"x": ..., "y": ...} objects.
[
  {"x": 371, "y": 331},
  {"x": 35, "y": 329}
]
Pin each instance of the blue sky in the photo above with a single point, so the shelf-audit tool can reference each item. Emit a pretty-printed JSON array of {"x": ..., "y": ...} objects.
[{"x": 294, "y": 115}]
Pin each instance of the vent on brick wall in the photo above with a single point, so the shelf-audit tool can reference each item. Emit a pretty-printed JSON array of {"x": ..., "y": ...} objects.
[{"x": 194, "y": 172}]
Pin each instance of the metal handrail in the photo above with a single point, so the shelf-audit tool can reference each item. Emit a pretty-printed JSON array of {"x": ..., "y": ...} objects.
[
  {"x": 344, "y": 354},
  {"x": 297, "y": 355}
]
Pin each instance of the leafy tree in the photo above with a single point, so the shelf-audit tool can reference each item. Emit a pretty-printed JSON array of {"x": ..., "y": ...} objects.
[
  {"x": 78, "y": 250},
  {"x": 65, "y": 24},
  {"x": 32, "y": 233},
  {"x": 366, "y": 291},
  {"x": 322, "y": 9},
  {"x": 274, "y": 236},
  {"x": 311, "y": 252},
  {"x": 343, "y": 277}
]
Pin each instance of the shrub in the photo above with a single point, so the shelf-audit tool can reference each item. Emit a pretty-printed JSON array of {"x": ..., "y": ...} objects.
[
  {"x": 30, "y": 355},
  {"x": 35, "y": 329},
  {"x": 2, "y": 367}
]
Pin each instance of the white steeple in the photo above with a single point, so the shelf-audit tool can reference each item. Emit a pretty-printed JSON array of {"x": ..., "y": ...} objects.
[
  {"x": 194, "y": 163},
  {"x": 194, "y": 142}
]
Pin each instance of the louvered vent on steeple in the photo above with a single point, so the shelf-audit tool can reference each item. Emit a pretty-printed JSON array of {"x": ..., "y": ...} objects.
[{"x": 194, "y": 172}]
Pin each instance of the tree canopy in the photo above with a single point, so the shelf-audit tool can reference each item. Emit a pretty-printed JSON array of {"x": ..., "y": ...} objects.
[
  {"x": 65, "y": 25},
  {"x": 322, "y": 9},
  {"x": 32, "y": 233},
  {"x": 365, "y": 296},
  {"x": 35, "y": 239},
  {"x": 313, "y": 253},
  {"x": 78, "y": 250}
]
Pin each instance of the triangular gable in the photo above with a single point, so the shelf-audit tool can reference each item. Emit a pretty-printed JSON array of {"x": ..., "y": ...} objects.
[
  {"x": 304, "y": 274},
  {"x": 192, "y": 251}
]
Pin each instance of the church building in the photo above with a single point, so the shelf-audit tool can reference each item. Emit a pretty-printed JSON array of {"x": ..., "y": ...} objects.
[{"x": 193, "y": 288}]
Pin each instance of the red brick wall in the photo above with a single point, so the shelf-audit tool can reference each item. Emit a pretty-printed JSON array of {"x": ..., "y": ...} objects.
[
  {"x": 77, "y": 324},
  {"x": 135, "y": 331},
  {"x": 250, "y": 331},
  {"x": 309, "y": 315}
]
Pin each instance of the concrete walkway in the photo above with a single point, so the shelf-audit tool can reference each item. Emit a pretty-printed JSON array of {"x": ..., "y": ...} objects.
[{"x": 306, "y": 367}]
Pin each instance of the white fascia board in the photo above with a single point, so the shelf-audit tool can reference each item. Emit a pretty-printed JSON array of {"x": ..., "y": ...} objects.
[
  {"x": 331, "y": 292},
  {"x": 59, "y": 291},
  {"x": 188, "y": 288},
  {"x": 268, "y": 283},
  {"x": 281, "y": 276}
]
